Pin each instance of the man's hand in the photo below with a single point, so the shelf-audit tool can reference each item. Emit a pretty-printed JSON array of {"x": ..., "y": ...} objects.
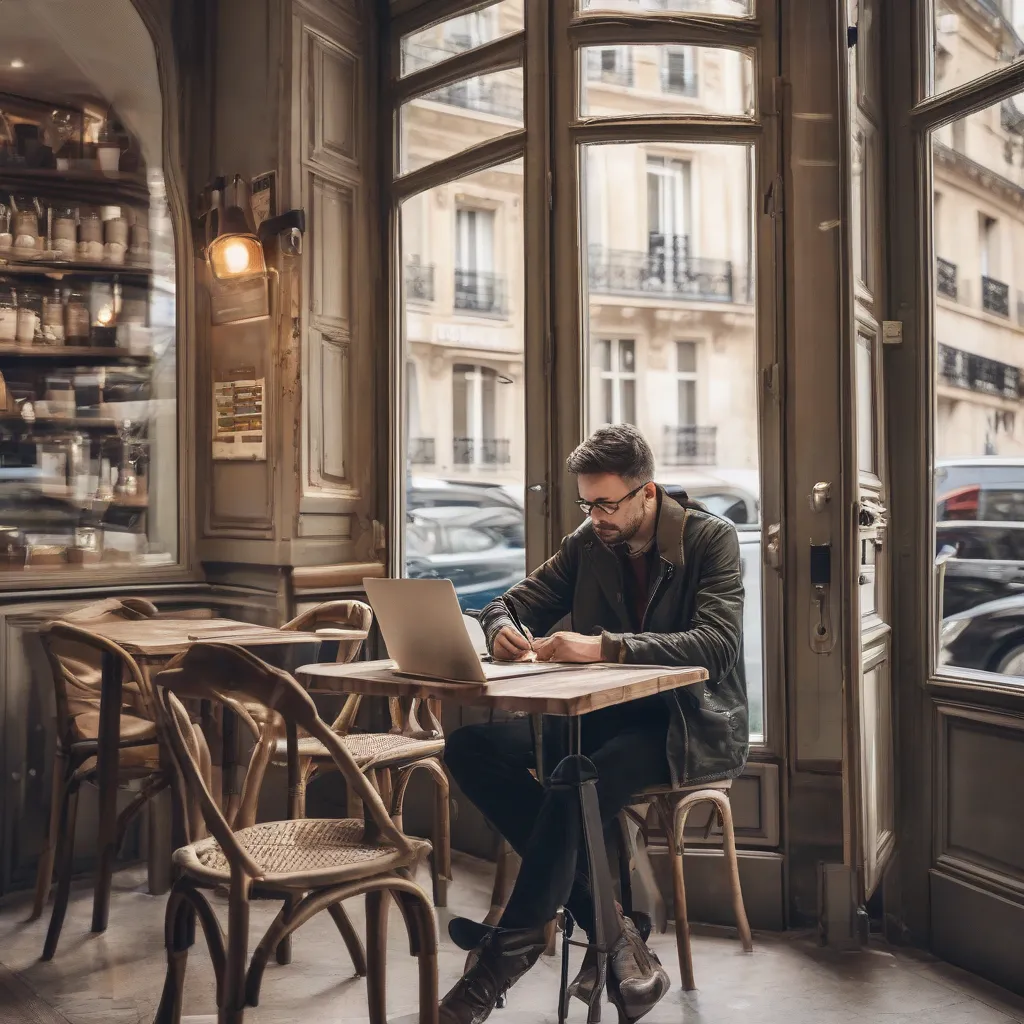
[
  {"x": 571, "y": 647},
  {"x": 511, "y": 645}
]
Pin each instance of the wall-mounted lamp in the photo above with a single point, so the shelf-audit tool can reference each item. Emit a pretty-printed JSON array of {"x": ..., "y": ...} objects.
[{"x": 235, "y": 252}]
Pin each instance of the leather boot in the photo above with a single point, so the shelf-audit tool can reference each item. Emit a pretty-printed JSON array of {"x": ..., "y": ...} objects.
[
  {"x": 503, "y": 956},
  {"x": 636, "y": 979}
]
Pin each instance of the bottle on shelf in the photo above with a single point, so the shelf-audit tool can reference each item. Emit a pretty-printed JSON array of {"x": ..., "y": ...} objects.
[
  {"x": 6, "y": 238},
  {"x": 76, "y": 317},
  {"x": 53, "y": 319}
]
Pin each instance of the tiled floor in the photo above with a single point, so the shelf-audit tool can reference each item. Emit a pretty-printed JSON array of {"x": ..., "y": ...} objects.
[{"x": 116, "y": 978}]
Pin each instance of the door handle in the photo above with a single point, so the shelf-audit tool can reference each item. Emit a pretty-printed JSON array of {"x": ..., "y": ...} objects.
[{"x": 773, "y": 547}]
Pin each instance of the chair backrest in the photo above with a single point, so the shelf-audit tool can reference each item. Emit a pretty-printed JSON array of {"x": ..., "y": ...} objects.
[
  {"x": 216, "y": 671},
  {"x": 75, "y": 654},
  {"x": 336, "y": 615},
  {"x": 339, "y": 615}
]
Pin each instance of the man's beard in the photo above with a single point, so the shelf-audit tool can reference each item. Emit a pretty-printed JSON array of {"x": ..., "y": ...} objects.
[{"x": 620, "y": 535}]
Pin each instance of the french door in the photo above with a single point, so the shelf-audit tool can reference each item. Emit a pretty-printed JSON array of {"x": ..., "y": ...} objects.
[{"x": 658, "y": 256}]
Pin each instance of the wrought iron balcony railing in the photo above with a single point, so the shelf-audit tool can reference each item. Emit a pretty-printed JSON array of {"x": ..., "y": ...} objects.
[
  {"x": 478, "y": 291},
  {"x": 666, "y": 268},
  {"x": 481, "y": 451},
  {"x": 503, "y": 99},
  {"x": 689, "y": 445},
  {"x": 945, "y": 277},
  {"x": 422, "y": 451},
  {"x": 972, "y": 372},
  {"x": 995, "y": 296}
]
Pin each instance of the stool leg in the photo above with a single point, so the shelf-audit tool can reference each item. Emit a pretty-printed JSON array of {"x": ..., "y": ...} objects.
[
  {"x": 733, "y": 867},
  {"x": 674, "y": 833}
]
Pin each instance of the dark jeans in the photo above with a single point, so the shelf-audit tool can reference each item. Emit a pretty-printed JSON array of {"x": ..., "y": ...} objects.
[{"x": 492, "y": 763}]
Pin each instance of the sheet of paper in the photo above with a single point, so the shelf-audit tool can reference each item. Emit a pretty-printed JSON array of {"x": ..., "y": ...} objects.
[{"x": 238, "y": 415}]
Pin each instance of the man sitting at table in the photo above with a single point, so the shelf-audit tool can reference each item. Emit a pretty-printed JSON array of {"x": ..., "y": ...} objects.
[{"x": 645, "y": 580}]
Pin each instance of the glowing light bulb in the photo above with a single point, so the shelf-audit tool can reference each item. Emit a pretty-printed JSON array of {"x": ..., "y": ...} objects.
[
  {"x": 17, "y": 63},
  {"x": 104, "y": 315},
  {"x": 236, "y": 257}
]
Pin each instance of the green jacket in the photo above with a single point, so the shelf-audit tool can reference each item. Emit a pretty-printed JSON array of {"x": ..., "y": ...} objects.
[{"x": 694, "y": 617}]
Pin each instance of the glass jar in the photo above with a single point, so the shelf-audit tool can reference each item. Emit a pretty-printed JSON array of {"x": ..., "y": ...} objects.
[
  {"x": 29, "y": 315},
  {"x": 115, "y": 234},
  {"x": 90, "y": 236},
  {"x": 140, "y": 242},
  {"x": 6, "y": 238},
  {"x": 8, "y": 313},
  {"x": 76, "y": 317},
  {"x": 53, "y": 319},
  {"x": 26, "y": 222},
  {"x": 64, "y": 230}
]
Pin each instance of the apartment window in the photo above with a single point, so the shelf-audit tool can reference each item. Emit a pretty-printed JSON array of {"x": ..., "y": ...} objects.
[
  {"x": 668, "y": 219},
  {"x": 679, "y": 70},
  {"x": 616, "y": 364},
  {"x": 987, "y": 227},
  {"x": 477, "y": 287},
  {"x": 612, "y": 64},
  {"x": 474, "y": 417},
  {"x": 686, "y": 383}
]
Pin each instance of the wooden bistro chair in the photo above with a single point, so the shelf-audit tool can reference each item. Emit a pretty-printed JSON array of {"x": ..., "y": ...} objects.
[
  {"x": 388, "y": 759},
  {"x": 318, "y": 863},
  {"x": 672, "y": 807},
  {"x": 75, "y": 656}
]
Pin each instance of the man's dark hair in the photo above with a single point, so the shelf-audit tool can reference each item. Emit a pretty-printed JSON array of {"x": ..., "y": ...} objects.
[{"x": 620, "y": 449}]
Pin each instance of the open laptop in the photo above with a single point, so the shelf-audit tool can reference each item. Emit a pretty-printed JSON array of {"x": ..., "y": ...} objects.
[{"x": 426, "y": 635}]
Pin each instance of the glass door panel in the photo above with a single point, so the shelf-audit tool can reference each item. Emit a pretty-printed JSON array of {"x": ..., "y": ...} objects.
[
  {"x": 464, "y": 437},
  {"x": 978, "y": 425},
  {"x": 672, "y": 332}
]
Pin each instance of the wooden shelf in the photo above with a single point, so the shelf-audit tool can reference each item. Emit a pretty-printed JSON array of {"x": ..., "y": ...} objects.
[
  {"x": 11, "y": 263},
  {"x": 66, "y": 423},
  {"x": 78, "y": 186},
  {"x": 29, "y": 352}
]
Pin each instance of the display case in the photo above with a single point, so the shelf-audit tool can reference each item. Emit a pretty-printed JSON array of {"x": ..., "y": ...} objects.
[{"x": 88, "y": 299}]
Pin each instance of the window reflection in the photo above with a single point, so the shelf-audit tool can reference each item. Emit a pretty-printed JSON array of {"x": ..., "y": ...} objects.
[
  {"x": 978, "y": 232},
  {"x": 972, "y": 38},
  {"x": 728, "y": 8},
  {"x": 455, "y": 117},
  {"x": 460, "y": 34},
  {"x": 672, "y": 341},
  {"x": 666, "y": 79},
  {"x": 462, "y": 246}
]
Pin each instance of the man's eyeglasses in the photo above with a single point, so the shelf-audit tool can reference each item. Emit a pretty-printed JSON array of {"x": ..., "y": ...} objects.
[{"x": 609, "y": 508}]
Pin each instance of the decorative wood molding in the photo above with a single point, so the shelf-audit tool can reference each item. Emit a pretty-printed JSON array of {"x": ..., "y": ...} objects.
[{"x": 319, "y": 577}]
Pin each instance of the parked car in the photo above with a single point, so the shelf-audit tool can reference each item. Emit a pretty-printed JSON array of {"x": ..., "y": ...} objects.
[
  {"x": 988, "y": 638},
  {"x": 481, "y": 549},
  {"x": 983, "y": 489}
]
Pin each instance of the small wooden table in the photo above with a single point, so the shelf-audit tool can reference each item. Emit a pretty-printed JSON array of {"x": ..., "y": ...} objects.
[
  {"x": 152, "y": 643},
  {"x": 568, "y": 693}
]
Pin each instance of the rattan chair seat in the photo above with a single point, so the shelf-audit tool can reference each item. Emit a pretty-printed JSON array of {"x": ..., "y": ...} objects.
[
  {"x": 305, "y": 851},
  {"x": 376, "y": 748}
]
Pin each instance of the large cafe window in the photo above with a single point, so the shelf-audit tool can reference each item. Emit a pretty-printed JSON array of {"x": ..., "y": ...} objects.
[
  {"x": 88, "y": 351},
  {"x": 669, "y": 333}
]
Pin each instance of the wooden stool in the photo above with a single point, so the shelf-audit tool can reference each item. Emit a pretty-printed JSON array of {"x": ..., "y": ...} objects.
[{"x": 673, "y": 806}]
